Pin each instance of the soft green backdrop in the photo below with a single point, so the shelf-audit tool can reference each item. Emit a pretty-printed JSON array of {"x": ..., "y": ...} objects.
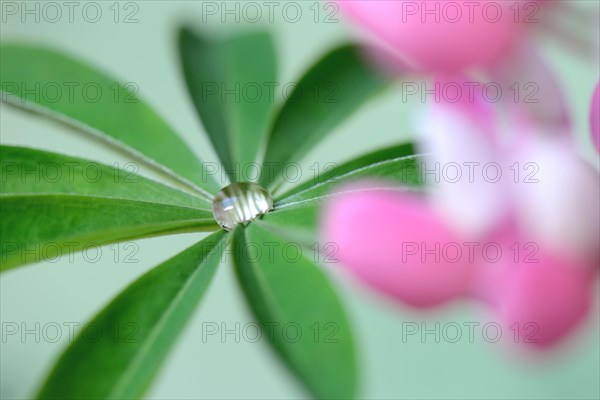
[{"x": 72, "y": 290}]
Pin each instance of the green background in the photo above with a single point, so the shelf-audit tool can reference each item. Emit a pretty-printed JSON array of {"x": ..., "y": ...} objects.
[{"x": 72, "y": 290}]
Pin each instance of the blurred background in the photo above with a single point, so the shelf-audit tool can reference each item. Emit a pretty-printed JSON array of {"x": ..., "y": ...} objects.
[{"x": 136, "y": 42}]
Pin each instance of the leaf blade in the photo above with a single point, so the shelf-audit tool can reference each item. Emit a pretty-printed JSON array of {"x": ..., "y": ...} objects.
[
  {"x": 277, "y": 293},
  {"x": 243, "y": 64},
  {"x": 26, "y": 170},
  {"x": 304, "y": 120},
  {"x": 41, "y": 227},
  {"x": 160, "y": 302},
  {"x": 404, "y": 171},
  {"x": 296, "y": 213},
  {"x": 339, "y": 172},
  {"x": 97, "y": 104}
]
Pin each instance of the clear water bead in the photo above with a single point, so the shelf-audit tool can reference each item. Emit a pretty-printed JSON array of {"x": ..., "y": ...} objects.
[{"x": 240, "y": 203}]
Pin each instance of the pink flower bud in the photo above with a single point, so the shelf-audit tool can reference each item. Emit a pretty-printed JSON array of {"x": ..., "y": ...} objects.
[
  {"x": 441, "y": 35},
  {"x": 544, "y": 300},
  {"x": 393, "y": 242}
]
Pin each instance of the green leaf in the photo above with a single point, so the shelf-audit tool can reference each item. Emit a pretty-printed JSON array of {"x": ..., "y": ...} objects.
[
  {"x": 328, "y": 94},
  {"x": 404, "y": 171},
  {"x": 30, "y": 171},
  {"x": 231, "y": 84},
  {"x": 296, "y": 304},
  {"x": 40, "y": 227},
  {"x": 70, "y": 91},
  {"x": 338, "y": 173},
  {"x": 296, "y": 214},
  {"x": 117, "y": 354},
  {"x": 299, "y": 223}
]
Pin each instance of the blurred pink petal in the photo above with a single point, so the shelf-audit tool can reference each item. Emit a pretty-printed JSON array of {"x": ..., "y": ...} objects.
[
  {"x": 394, "y": 243},
  {"x": 543, "y": 301},
  {"x": 557, "y": 200},
  {"x": 464, "y": 163},
  {"x": 532, "y": 93},
  {"x": 493, "y": 259},
  {"x": 440, "y": 35},
  {"x": 595, "y": 117}
]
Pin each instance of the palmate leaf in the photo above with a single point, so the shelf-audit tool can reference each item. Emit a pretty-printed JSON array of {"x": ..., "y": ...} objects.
[
  {"x": 30, "y": 171},
  {"x": 295, "y": 303},
  {"x": 134, "y": 333},
  {"x": 231, "y": 85},
  {"x": 37, "y": 227},
  {"x": 70, "y": 91},
  {"x": 335, "y": 87},
  {"x": 44, "y": 220}
]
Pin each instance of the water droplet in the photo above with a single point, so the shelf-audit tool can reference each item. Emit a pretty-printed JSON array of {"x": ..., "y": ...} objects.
[{"x": 240, "y": 203}]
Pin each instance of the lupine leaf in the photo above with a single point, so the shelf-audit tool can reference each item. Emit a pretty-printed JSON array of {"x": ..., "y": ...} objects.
[
  {"x": 138, "y": 328},
  {"x": 297, "y": 213},
  {"x": 402, "y": 171},
  {"x": 56, "y": 85},
  {"x": 298, "y": 223},
  {"x": 335, "y": 87},
  {"x": 30, "y": 171},
  {"x": 231, "y": 83},
  {"x": 40, "y": 227},
  {"x": 338, "y": 172},
  {"x": 296, "y": 304}
]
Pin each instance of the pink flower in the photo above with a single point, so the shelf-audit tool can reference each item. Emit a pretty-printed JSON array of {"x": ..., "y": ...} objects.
[
  {"x": 595, "y": 117},
  {"x": 511, "y": 220},
  {"x": 450, "y": 36},
  {"x": 440, "y": 35}
]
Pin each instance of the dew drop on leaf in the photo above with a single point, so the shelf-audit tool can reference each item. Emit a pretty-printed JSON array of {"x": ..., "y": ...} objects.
[{"x": 240, "y": 203}]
